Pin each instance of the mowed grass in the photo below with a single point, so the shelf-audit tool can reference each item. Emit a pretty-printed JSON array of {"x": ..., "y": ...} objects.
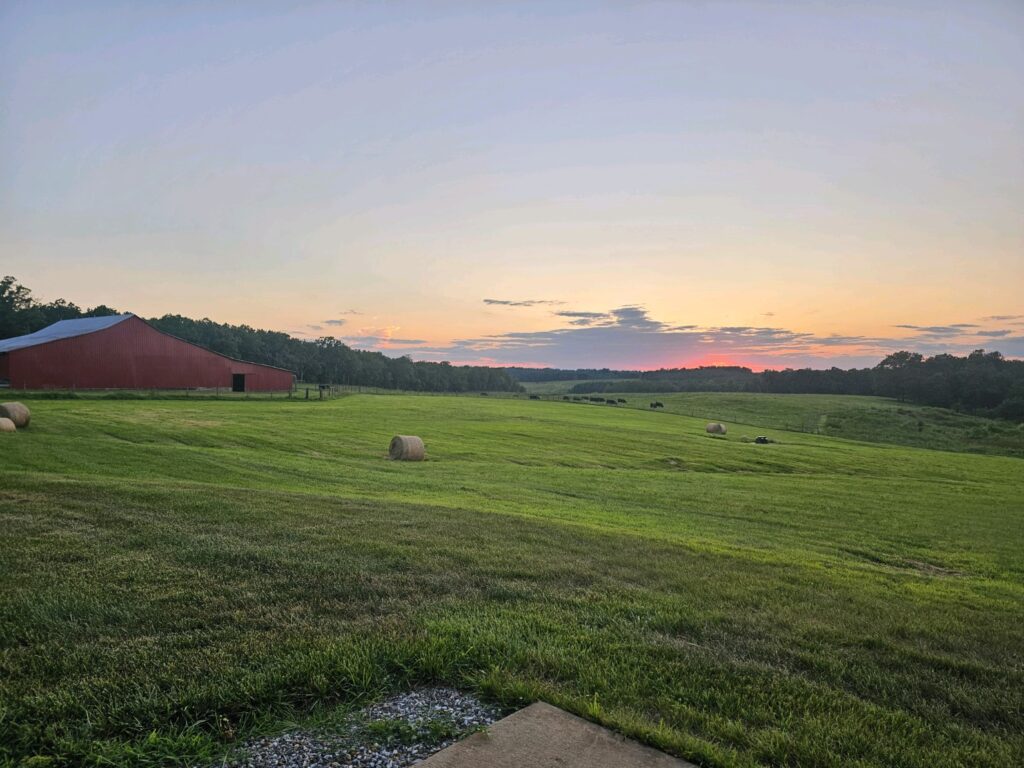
[
  {"x": 177, "y": 575},
  {"x": 871, "y": 419}
]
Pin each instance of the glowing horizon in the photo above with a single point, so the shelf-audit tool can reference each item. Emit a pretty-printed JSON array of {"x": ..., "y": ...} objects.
[{"x": 562, "y": 184}]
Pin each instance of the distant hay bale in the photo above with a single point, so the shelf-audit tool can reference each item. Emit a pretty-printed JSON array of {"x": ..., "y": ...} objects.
[
  {"x": 716, "y": 429},
  {"x": 406, "y": 448},
  {"x": 17, "y": 413},
  {"x": 6, "y": 425}
]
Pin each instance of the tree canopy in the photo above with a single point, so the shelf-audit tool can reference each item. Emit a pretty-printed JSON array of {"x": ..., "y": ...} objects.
[{"x": 982, "y": 382}]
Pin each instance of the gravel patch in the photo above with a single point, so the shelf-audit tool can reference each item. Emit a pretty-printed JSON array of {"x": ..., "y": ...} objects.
[{"x": 397, "y": 732}]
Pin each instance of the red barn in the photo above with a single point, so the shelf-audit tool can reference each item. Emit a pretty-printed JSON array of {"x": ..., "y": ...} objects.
[{"x": 125, "y": 352}]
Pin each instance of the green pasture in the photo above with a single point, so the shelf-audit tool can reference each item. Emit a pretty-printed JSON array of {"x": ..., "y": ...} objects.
[
  {"x": 176, "y": 575},
  {"x": 871, "y": 419}
]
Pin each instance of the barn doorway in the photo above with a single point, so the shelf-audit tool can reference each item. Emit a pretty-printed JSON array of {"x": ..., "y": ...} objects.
[{"x": 238, "y": 382}]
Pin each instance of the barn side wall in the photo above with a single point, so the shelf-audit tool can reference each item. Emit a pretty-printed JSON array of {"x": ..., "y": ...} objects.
[{"x": 133, "y": 355}]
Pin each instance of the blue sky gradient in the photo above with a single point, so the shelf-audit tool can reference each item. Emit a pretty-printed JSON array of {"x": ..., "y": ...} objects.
[{"x": 807, "y": 171}]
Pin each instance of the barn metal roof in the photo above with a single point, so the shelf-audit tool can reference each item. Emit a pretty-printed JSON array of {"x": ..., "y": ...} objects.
[{"x": 62, "y": 329}]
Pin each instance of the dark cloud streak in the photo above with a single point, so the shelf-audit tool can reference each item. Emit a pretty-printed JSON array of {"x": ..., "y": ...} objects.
[
  {"x": 523, "y": 302},
  {"x": 585, "y": 318}
]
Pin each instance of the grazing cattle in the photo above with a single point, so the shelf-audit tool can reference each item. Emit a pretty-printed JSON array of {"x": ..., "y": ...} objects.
[
  {"x": 483, "y": 394},
  {"x": 565, "y": 397},
  {"x": 577, "y": 398},
  {"x": 659, "y": 405},
  {"x": 609, "y": 401},
  {"x": 596, "y": 399},
  {"x": 654, "y": 405},
  {"x": 621, "y": 400},
  {"x": 535, "y": 397},
  {"x": 761, "y": 440}
]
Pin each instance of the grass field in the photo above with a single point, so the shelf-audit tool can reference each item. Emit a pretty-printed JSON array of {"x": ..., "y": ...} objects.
[
  {"x": 177, "y": 575},
  {"x": 872, "y": 419}
]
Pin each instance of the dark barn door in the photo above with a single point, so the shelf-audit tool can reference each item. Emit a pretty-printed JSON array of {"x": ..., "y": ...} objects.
[{"x": 238, "y": 382}]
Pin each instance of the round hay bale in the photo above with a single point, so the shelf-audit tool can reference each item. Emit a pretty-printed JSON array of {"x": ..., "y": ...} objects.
[
  {"x": 406, "y": 448},
  {"x": 6, "y": 425},
  {"x": 716, "y": 429},
  {"x": 17, "y": 413}
]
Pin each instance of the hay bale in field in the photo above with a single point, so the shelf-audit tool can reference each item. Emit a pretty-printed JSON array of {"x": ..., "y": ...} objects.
[
  {"x": 716, "y": 429},
  {"x": 6, "y": 425},
  {"x": 17, "y": 413},
  {"x": 406, "y": 448}
]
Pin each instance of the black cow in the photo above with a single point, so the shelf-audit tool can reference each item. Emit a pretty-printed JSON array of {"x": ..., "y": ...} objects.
[
  {"x": 535, "y": 397},
  {"x": 622, "y": 400}
]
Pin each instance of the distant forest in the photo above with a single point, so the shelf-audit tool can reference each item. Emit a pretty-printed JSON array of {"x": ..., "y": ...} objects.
[
  {"x": 983, "y": 382},
  {"x": 325, "y": 360}
]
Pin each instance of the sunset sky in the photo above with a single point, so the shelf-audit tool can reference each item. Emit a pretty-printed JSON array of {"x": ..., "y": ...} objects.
[{"x": 621, "y": 184}]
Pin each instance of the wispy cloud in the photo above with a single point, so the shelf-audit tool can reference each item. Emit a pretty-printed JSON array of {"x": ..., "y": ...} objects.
[
  {"x": 523, "y": 302},
  {"x": 382, "y": 339},
  {"x": 935, "y": 330},
  {"x": 960, "y": 337},
  {"x": 333, "y": 322},
  {"x": 376, "y": 341},
  {"x": 588, "y": 315},
  {"x": 585, "y": 318}
]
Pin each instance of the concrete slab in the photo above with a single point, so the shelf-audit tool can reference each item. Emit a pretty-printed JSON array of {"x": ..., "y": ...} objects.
[{"x": 543, "y": 736}]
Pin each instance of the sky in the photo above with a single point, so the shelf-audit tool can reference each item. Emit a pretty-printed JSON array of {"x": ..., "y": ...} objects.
[{"x": 620, "y": 184}]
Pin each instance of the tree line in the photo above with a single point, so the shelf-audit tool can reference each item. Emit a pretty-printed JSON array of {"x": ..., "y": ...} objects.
[
  {"x": 982, "y": 382},
  {"x": 324, "y": 360}
]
